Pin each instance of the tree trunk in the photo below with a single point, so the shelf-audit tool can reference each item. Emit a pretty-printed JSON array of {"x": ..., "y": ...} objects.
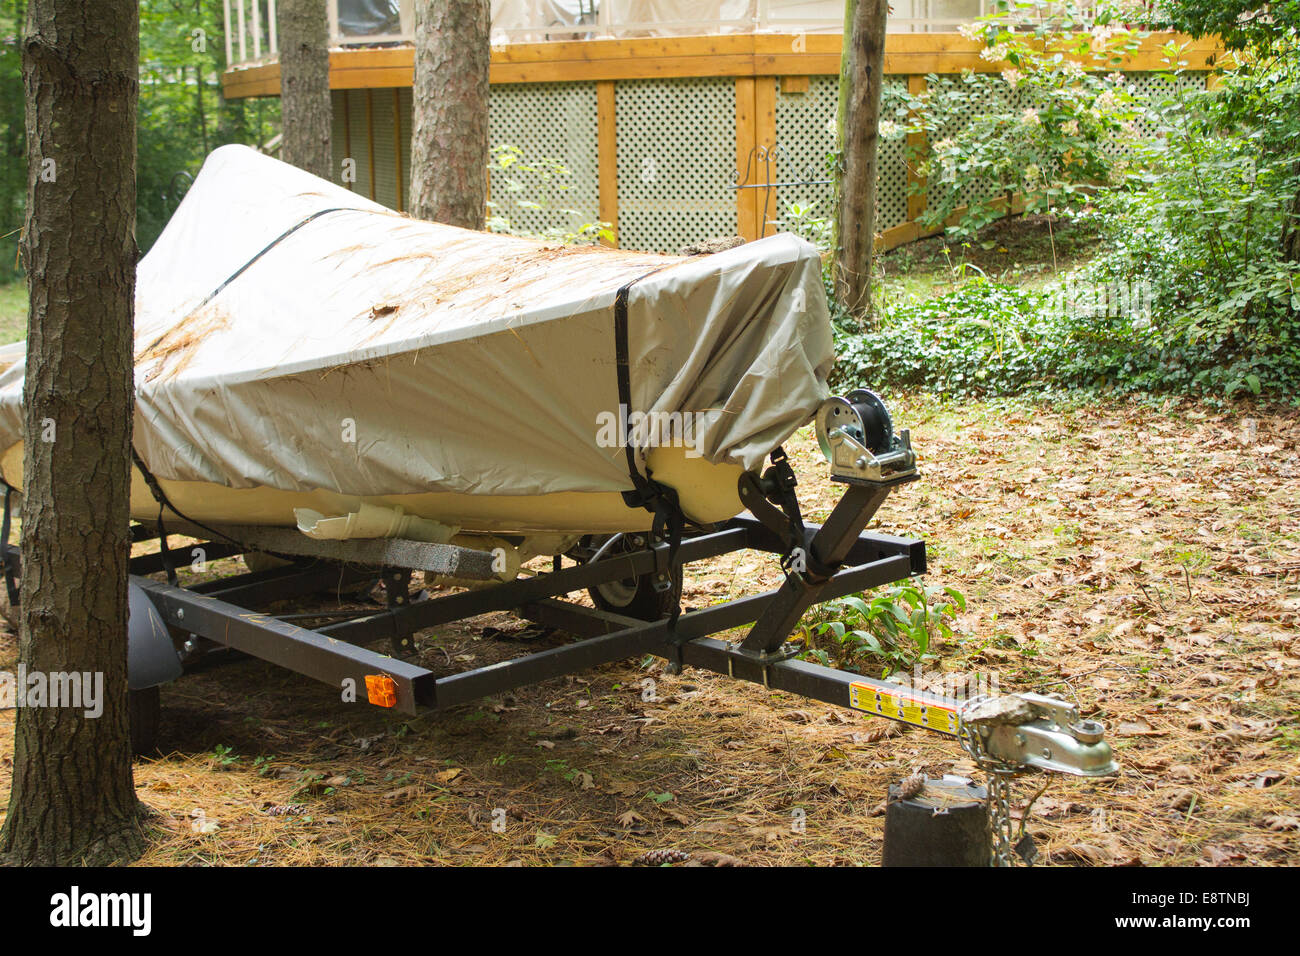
[
  {"x": 449, "y": 134},
  {"x": 1291, "y": 229},
  {"x": 862, "y": 75},
  {"x": 73, "y": 798},
  {"x": 305, "y": 110},
  {"x": 198, "y": 102}
]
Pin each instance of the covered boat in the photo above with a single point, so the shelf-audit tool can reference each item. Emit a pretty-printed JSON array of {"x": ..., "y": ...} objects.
[{"x": 307, "y": 357}]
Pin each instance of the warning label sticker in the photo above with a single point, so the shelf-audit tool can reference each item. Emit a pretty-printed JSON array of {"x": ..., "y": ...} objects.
[{"x": 899, "y": 705}]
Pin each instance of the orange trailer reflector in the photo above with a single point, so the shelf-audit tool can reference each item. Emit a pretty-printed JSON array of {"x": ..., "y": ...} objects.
[{"x": 381, "y": 690}]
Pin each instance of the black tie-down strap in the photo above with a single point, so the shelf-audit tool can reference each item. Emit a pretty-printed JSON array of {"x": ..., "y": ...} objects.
[
  {"x": 154, "y": 487},
  {"x": 164, "y": 504},
  {"x": 161, "y": 497},
  {"x": 11, "y": 585},
  {"x": 659, "y": 499},
  {"x": 773, "y": 501}
]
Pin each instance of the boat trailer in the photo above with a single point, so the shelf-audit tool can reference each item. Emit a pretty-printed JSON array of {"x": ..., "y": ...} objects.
[{"x": 172, "y": 625}]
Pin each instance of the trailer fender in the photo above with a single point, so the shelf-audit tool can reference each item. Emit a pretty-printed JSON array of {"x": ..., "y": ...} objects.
[{"x": 151, "y": 657}]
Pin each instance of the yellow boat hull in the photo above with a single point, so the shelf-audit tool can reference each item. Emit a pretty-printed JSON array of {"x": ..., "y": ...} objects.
[{"x": 707, "y": 492}]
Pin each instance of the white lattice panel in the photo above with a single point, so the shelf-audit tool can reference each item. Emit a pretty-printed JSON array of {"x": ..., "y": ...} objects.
[
  {"x": 805, "y": 129},
  {"x": 676, "y": 155},
  {"x": 891, "y": 173},
  {"x": 550, "y": 123},
  {"x": 676, "y": 150},
  {"x": 979, "y": 94},
  {"x": 1152, "y": 88},
  {"x": 1149, "y": 89}
]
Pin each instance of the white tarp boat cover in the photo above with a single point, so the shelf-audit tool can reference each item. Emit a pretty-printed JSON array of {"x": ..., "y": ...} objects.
[{"x": 293, "y": 335}]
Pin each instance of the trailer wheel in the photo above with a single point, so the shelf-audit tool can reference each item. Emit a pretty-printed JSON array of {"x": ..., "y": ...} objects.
[
  {"x": 146, "y": 713},
  {"x": 636, "y": 597}
]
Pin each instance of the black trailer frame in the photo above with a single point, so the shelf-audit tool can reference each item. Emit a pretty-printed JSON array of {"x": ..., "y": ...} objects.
[
  {"x": 171, "y": 625},
  {"x": 231, "y": 612}
]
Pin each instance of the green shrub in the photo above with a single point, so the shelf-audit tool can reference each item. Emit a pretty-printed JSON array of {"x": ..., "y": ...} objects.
[
  {"x": 894, "y": 630},
  {"x": 1088, "y": 332},
  {"x": 1049, "y": 128},
  {"x": 1194, "y": 290},
  {"x": 981, "y": 338},
  {"x": 988, "y": 338},
  {"x": 1208, "y": 221}
]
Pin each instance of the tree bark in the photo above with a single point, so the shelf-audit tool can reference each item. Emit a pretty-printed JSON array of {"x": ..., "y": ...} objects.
[
  {"x": 449, "y": 134},
  {"x": 73, "y": 798},
  {"x": 1291, "y": 228},
  {"x": 862, "y": 76},
  {"x": 198, "y": 102},
  {"x": 305, "y": 111}
]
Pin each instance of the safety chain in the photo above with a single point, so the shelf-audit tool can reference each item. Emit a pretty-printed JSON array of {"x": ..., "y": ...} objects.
[
  {"x": 1008, "y": 841},
  {"x": 1000, "y": 822}
]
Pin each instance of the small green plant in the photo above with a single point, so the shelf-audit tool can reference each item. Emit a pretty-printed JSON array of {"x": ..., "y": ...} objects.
[
  {"x": 1193, "y": 558},
  {"x": 1289, "y": 738},
  {"x": 521, "y": 179},
  {"x": 809, "y": 222},
  {"x": 894, "y": 630},
  {"x": 223, "y": 756},
  {"x": 1068, "y": 533},
  {"x": 562, "y": 768}
]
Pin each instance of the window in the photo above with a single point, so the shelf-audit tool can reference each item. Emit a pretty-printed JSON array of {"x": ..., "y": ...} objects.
[{"x": 363, "y": 18}]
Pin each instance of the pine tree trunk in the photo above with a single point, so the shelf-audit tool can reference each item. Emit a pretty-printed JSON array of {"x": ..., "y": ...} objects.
[
  {"x": 198, "y": 102},
  {"x": 862, "y": 76},
  {"x": 1291, "y": 231},
  {"x": 305, "y": 110},
  {"x": 73, "y": 798},
  {"x": 449, "y": 134}
]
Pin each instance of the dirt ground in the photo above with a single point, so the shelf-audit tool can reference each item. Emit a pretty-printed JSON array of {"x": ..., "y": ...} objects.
[
  {"x": 1144, "y": 560},
  {"x": 1025, "y": 250}
]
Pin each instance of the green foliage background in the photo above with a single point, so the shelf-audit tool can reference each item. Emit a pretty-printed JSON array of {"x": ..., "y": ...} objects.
[
  {"x": 1199, "y": 219},
  {"x": 182, "y": 113}
]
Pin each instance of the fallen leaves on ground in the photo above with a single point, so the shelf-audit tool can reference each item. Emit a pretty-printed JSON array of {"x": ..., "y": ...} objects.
[{"x": 1143, "y": 561}]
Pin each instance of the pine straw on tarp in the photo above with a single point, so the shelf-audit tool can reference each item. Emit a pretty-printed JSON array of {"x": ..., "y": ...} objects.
[{"x": 1144, "y": 562}]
